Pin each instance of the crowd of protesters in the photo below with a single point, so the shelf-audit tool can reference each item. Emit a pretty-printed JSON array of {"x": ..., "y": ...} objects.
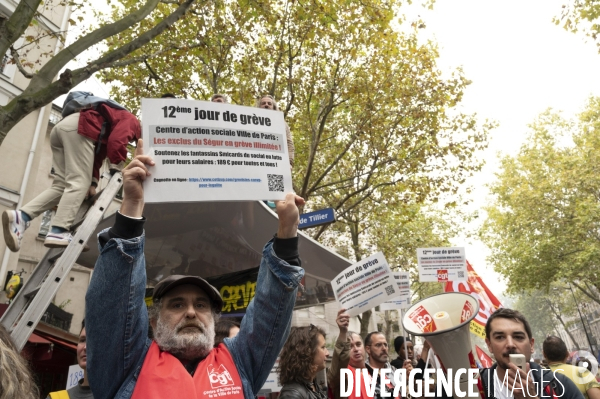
[{"x": 194, "y": 354}]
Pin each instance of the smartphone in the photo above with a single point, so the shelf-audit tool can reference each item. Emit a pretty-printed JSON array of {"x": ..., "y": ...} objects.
[{"x": 518, "y": 360}]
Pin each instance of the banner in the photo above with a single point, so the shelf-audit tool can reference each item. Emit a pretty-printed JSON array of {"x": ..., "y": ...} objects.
[
  {"x": 484, "y": 359},
  {"x": 238, "y": 288},
  {"x": 488, "y": 303},
  {"x": 207, "y": 151}
]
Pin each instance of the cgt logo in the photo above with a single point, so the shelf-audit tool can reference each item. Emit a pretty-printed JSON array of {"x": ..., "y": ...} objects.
[
  {"x": 442, "y": 275},
  {"x": 219, "y": 377},
  {"x": 421, "y": 317}
]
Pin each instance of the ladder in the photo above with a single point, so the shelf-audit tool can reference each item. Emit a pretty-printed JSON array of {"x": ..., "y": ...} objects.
[{"x": 32, "y": 300}]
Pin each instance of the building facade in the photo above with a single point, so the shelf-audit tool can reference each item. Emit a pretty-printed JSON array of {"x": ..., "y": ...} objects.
[{"x": 26, "y": 162}]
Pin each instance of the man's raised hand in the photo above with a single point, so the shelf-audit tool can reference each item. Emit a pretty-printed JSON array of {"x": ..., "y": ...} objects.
[
  {"x": 289, "y": 216},
  {"x": 343, "y": 320},
  {"x": 133, "y": 177}
]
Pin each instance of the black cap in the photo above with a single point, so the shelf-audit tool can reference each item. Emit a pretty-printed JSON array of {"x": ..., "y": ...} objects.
[{"x": 175, "y": 280}]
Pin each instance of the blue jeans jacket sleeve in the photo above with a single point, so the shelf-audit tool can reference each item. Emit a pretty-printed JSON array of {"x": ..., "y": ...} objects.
[
  {"x": 266, "y": 325},
  {"x": 116, "y": 318}
]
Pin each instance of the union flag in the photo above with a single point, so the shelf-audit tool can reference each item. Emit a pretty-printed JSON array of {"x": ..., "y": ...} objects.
[{"x": 488, "y": 303}]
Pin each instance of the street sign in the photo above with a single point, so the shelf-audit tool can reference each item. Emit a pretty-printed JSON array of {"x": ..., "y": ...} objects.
[{"x": 317, "y": 218}]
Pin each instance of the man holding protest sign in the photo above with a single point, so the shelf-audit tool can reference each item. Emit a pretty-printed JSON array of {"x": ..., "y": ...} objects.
[{"x": 181, "y": 362}]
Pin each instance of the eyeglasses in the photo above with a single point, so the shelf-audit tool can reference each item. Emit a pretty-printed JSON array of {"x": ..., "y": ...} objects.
[{"x": 379, "y": 345}]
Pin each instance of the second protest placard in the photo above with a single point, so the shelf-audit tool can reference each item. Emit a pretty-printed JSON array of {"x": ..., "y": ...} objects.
[
  {"x": 442, "y": 264},
  {"x": 402, "y": 301},
  {"x": 364, "y": 285},
  {"x": 208, "y": 151}
]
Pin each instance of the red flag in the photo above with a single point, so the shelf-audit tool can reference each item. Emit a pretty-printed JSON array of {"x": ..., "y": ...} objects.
[
  {"x": 484, "y": 359},
  {"x": 488, "y": 303}
]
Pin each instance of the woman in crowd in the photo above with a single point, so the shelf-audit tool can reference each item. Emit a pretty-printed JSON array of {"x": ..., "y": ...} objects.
[
  {"x": 302, "y": 357},
  {"x": 225, "y": 329},
  {"x": 400, "y": 347},
  {"x": 16, "y": 380}
]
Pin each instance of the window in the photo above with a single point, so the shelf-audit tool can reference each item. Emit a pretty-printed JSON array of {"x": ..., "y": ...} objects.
[
  {"x": 319, "y": 311},
  {"x": 4, "y": 63},
  {"x": 55, "y": 116}
]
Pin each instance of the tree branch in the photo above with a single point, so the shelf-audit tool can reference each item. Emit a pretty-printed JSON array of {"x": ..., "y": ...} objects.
[
  {"x": 15, "y": 57},
  {"x": 587, "y": 293},
  {"x": 109, "y": 60},
  {"x": 49, "y": 71},
  {"x": 12, "y": 29},
  {"x": 43, "y": 89}
]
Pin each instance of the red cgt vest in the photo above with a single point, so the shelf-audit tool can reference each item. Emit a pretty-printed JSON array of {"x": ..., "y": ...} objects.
[{"x": 164, "y": 376}]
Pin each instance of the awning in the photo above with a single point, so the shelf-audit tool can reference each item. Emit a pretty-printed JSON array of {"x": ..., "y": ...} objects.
[
  {"x": 210, "y": 239},
  {"x": 59, "y": 341},
  {"x": 36, "y": 339},
  {"x": 38, "y": 348}
]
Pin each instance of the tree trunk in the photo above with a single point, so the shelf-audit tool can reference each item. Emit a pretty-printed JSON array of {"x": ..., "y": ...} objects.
[
  {"x": 364, "y": 323},
  {"x": 563, "y": 324},
  {"x": 388, "y": 327}
]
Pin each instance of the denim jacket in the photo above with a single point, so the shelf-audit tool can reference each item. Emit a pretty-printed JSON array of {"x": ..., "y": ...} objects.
[{"x": 117, "y": 320}]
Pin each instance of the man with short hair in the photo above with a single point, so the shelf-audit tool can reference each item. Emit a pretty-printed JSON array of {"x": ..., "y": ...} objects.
[
  {"x": 378, "y": 357},
  {"x": 377, "y": 350},
  {"x": 556, "y": 352},
  {"x": 268, "y": 102},
  {"x": 219, "y": 98},
  {"x": 508, "y": 332},
  {"x": 181, "y": 362},
  {"x": 348, "y": 351},
  {"x": 82, "y": 390}
]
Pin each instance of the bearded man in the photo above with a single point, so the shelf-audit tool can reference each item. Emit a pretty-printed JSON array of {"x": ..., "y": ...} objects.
[{"x": 181, "y": 362}]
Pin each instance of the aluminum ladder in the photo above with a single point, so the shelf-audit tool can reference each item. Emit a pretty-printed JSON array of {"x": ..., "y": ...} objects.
[{"x": 32, "y": 300}]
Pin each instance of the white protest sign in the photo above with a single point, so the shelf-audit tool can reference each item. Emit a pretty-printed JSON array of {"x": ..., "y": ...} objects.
[
  {"x": 402, "y": 301},
  {"x": 75, "y": 374},
  {"x": 442, "y": 264},
  {"x": 207, "y": 151},
  {"x": 364, "y": 285}
]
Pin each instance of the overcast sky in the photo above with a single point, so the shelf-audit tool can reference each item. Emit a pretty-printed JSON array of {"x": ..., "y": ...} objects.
[{"x": 520, "y": 64}]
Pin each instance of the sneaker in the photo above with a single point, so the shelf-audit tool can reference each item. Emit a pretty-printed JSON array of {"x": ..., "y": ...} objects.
[
  {"x": 14, "y": 227},
  {"x": 61, "y": 240}
]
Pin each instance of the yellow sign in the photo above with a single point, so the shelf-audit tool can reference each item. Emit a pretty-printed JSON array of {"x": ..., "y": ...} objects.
[
  {"x": 477, "y": 329},
  {"x": 237, "y": 296}
]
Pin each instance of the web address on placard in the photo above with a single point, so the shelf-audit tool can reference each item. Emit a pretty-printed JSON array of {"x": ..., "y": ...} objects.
[{"x": 223, "y": 180}]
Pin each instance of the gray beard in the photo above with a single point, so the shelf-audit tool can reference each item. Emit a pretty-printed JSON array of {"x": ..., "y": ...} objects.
[{"x": 187, "y": 346}]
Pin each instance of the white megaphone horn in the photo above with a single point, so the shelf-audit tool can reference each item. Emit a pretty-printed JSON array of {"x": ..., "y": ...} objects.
[{"x": 444, "y": 320}]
